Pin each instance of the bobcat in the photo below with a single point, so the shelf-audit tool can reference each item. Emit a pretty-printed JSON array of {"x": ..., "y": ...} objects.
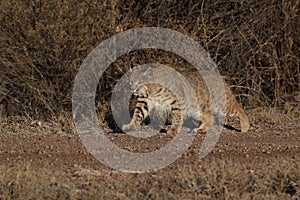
[{"x": 147, "y": 85}]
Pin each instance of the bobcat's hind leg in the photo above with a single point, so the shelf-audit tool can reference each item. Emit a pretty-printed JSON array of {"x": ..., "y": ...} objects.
[
  {"x": 236, "y": 109},
  {"x": 207, "y": 121},
  {"x": 244, "y": 121}
]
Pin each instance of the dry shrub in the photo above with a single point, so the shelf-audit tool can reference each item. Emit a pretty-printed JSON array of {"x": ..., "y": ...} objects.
[
  {"x": 254, "y": 43},
  {"x": 211, "y": 179},
  {"x": 42, "y": 47},
  {"x": 23, "y": 182}
]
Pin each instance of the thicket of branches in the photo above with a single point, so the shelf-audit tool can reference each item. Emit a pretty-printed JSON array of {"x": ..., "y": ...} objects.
[{"x": 43, "y": 43}]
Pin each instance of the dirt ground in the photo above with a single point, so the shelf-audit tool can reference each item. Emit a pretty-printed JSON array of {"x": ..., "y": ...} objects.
[{"x": 45, "y": 146}]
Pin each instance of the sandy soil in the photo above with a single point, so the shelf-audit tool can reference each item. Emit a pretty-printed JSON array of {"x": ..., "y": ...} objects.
[{"x": 44, "y": 145}]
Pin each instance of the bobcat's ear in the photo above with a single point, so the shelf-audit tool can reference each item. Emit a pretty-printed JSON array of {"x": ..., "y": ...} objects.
[
  {"x": 131, "y": 68},
  {"x": 149, "y": 72},
  {"x": 134, "y": 69}
]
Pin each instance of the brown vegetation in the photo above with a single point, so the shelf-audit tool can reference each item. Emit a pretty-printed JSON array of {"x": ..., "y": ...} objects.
[
  {"x": 255, "y": 44},
  {"x": 216, "y": 180}
]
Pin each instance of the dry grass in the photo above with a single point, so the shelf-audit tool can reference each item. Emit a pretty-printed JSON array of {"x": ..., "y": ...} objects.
[
  {"x": 211, "y": 179},
  {"x": 255, "y": 44}
]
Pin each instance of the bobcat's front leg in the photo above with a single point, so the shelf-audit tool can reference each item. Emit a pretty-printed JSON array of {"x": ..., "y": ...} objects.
[
  {"x": 177, "y": 118},
  {"x": 141, "y": 111}
]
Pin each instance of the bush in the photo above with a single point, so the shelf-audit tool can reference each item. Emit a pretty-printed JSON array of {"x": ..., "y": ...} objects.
[{"x": 43, "y": 43}]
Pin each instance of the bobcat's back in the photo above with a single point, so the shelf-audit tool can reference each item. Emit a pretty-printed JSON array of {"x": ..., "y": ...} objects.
[{"x": 183, "y": 95}]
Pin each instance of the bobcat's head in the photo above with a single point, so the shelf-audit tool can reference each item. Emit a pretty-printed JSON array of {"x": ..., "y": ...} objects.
[{"x": 140, "y": 80}]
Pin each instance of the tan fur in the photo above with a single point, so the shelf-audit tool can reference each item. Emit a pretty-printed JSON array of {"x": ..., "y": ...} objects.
[{"x": 199, "y": 107}]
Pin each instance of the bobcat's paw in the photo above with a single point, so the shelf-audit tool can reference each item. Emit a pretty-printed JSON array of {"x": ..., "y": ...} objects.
[
  {"x": 245, "y": 127},
  {"x": 200, "y": 130},
  {"x": 129, "y": 127}
]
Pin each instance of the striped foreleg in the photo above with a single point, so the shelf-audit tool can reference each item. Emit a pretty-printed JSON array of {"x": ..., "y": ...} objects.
[{"x": 140, "y": 113}]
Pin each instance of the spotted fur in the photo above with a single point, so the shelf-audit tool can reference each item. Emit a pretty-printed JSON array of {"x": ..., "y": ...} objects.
[{"x": 198, "y": 106}]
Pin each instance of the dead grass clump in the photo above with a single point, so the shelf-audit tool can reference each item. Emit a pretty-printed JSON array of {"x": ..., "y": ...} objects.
[
  {"x": 24, "y": 183},
  {"x": 210, "y": 179},
  {"x": 42, "y": 46}
]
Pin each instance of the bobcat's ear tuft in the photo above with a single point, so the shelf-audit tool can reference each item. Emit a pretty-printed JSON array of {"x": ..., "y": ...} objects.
[{"x": 132, "y": 68}]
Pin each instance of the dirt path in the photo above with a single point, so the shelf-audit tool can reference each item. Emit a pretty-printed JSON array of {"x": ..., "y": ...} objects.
[
  {"x": 264, "y": 142},
  {"x": 40, "y": 161}
]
